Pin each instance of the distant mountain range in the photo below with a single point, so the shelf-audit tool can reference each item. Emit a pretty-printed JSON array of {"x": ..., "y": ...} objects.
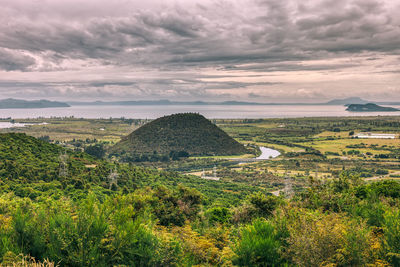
[
  {"x": 11, "y": 103},
  {"x": 164, "y": 102},
  {"x": 346, "y": 101},
  {"x": 17, "y": 103}
]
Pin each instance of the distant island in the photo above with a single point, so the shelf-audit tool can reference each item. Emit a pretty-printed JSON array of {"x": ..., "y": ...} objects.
[
  {"x": 369, "y": 107},
  {"x": 11, "y": 103}
]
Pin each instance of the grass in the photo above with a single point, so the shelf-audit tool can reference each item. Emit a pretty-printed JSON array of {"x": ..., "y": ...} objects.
[
  {"x": 244, "y": 156},
  {"x": 339, "y": 145},
  {"x": 293, "y": 173},
  {"x": 334, "y": 134},
  {"x": 69, "y": 129},
  {"x": 346, "y": 134}
]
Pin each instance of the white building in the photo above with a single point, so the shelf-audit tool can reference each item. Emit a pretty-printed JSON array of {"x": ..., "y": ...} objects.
[{"x": 375, "y": 135}]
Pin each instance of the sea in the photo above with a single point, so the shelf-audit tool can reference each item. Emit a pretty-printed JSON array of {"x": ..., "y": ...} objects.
[{"x": 209, "y": 111}]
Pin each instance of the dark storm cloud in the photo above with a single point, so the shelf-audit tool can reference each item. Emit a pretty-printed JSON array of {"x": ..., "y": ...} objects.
[
  {"x": 353, "y": 26},
  {"x": 15, "y": 60},
  {"x": 278, "y": 30}
]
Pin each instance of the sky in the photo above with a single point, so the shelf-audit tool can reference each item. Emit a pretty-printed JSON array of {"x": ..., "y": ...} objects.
[{"x": 210, "y": 50}]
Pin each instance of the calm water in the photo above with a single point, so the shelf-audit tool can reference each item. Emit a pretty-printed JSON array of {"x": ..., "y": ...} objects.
[
  {"x": 4, "y": 125},
  {"x": 152, "y": 112},
  {"x": 267, "y": 153}
]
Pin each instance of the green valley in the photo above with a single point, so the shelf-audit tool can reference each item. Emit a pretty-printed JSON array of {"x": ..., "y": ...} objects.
[{"x": 330, "y": 199}]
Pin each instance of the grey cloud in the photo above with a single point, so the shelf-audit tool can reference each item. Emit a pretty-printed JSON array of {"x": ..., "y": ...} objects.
[
  {"x": 290, "y": 67},
  {"x": 173, "y": 43},
  {"x": 13, "y": 60},
  {"x": 18, "y": 84},
  {"x": 164, "y": 88},
  {"x": 253, "y": 95},
  {"x": 177, "y": 22},
  {"x": 277, "y": 31},
  {"x": 102, "y": 84},
  {"x": 185, "y": 83},
  {"x": 354, "y": 26}
]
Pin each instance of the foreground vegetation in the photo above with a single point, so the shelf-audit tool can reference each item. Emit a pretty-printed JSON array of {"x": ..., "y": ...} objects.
[{"x": 345, "y": 223}]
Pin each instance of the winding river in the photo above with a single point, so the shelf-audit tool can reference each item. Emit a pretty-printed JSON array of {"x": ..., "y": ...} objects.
[{"x": 268, "y": 153}]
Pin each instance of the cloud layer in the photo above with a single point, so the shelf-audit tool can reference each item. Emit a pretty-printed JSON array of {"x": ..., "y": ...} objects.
[{"x": 268, "y": 50}]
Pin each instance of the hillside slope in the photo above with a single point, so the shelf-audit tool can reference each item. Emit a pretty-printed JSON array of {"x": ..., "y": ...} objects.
[
  {"x": 28, "y": 159},
  {"x": 30, "y": 167},
  {"x": 185, "y": 132}
]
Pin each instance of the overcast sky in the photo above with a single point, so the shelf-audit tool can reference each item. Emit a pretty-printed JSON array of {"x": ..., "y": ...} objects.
[{"x": 250, "y": 50}]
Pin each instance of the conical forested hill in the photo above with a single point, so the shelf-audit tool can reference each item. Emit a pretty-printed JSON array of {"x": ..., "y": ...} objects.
[{"x": 189, "y": 133}]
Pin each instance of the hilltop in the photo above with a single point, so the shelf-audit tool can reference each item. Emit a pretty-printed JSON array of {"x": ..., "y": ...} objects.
[
  {"x": 18, "y": 103},
  {"x": 186, "y": 133}
]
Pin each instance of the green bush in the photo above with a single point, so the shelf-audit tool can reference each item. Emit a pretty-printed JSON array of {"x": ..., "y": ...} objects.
[
  {"x": 258, "y": 245},
  {"x": 391, "y": 242},
  {"x": 218, "y": 215}
]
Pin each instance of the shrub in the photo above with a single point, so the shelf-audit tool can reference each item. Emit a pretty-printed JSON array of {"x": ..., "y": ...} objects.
[
  {"x": 258, "y": 245},
  {"x": 318, "y": 239},
  {"x": 96, "y": 150},
  {"x": 218, "y": 215},
  {"x": 197, "y": 249},
  {"x": 264, "y": 205},
  {"x": 391, "y": 242}
]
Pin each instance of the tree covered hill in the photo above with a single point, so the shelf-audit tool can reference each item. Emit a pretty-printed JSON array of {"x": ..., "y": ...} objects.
[
  {"x": 32, "y": 168},
  {"x": 189, "y": 133},
  {"x": 27, "y": 159}
]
